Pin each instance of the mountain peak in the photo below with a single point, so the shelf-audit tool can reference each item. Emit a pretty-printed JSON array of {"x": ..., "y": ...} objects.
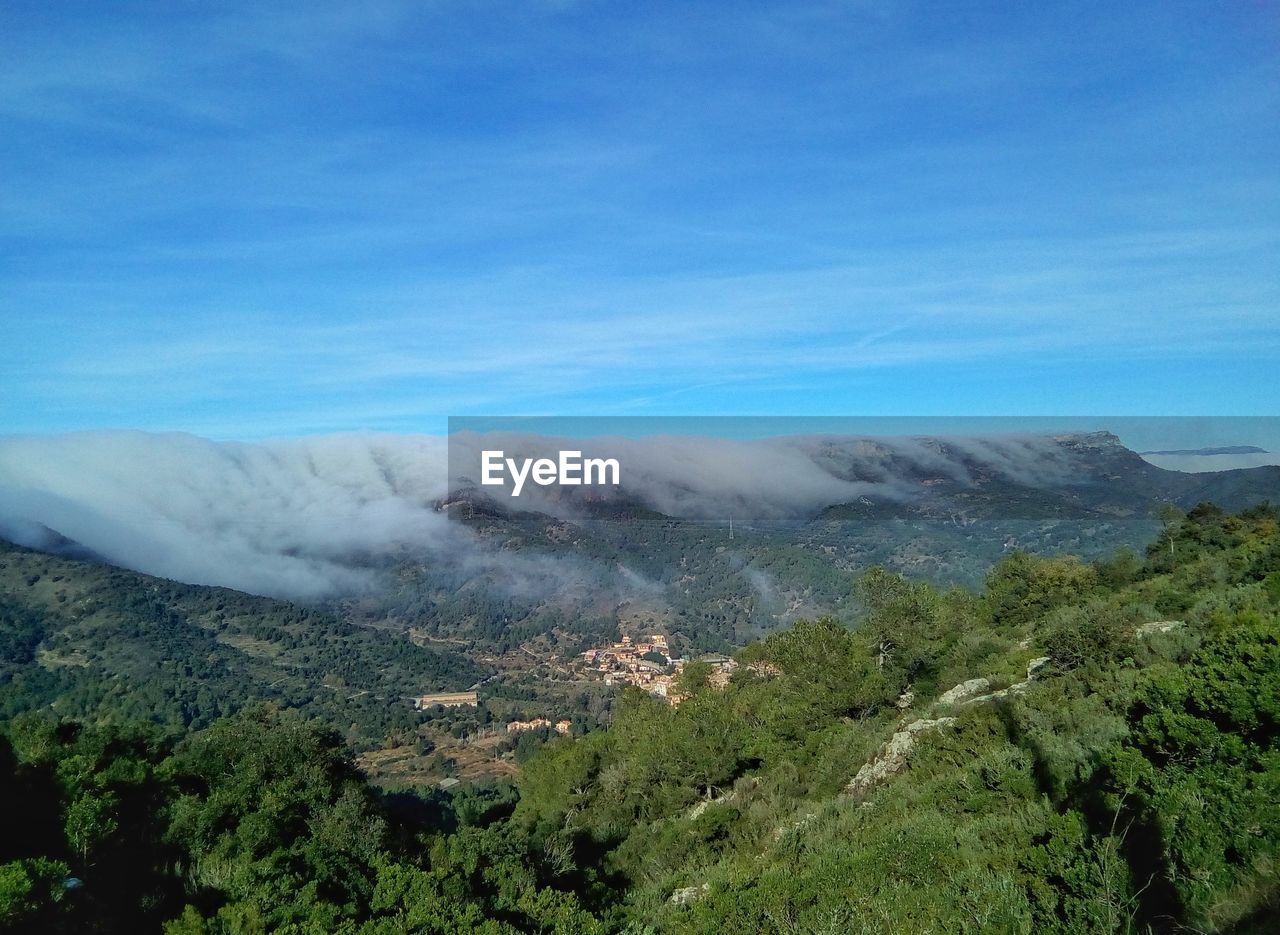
[{"x": 1100, "y": 439}]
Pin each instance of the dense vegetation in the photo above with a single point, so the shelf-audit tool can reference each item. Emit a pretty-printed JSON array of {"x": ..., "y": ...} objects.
[
  {"x": 92, "y": 640},
  {"x": 710, "y": 592},
  {"x": 1131, "y": 783}
]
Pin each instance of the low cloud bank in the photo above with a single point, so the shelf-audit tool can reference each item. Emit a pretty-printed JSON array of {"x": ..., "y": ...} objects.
[
  {"x": 317, "y": 517},
  {"x": 791, "y": 477},
  {"x": 290, "y": 518}
]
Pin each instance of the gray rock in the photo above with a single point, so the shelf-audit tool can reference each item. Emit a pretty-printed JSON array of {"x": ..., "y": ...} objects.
[
  {"x": 687, "y": 894},
  {"x": 1035, "y": 665},
  {"x": 893, "y": 755},
  {"x": 965, "y": 690}
]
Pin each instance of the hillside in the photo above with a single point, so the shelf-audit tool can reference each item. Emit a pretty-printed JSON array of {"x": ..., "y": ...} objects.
[
  {"x": 89, "y": 639},
  {"x": 1108, "y": 759},
  {"x": 1080, "y": 748},
  {"x": 372, "y": 530},
  {"x": 957, "y": 507}
]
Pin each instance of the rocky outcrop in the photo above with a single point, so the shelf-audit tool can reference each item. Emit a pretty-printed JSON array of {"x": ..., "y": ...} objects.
[
  {"x": 687, "y": 894},
  {"x": 1014, "y": 689},
  {"x": 893, "y": 756},
  {"x": 1160, "y": 626},
  {"x": 964, "y": 691},
  {"x": 1034, "y": 666}
]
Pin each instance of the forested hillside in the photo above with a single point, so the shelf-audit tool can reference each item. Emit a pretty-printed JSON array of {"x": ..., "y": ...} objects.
[
  {"x": 1078, "y": 748},
  {"x": 91, "y": 640}
]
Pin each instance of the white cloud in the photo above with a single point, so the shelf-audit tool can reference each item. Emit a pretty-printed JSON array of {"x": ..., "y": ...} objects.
[{"x": 326, "y": 515}]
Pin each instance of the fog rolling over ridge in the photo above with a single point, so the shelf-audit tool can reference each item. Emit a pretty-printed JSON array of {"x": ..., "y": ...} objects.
[
  {"x": 324, "y": 516},
  {"x": 287, "y": 518},
  {"x": 786, "y": 477}
]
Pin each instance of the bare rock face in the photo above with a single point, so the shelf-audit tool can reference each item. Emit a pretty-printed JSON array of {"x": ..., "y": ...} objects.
[
  {"x": 964, "y": 691},
  {"x": 893, "y": 756}
]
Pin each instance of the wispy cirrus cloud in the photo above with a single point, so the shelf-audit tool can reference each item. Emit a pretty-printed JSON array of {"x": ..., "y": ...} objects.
[{"x": 393, "y": 211}]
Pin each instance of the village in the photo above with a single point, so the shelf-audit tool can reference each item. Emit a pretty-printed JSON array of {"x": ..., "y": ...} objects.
[
  {"x": 488, "y": 746},
  {"x": 649, "y": 666},
  {"x": 646, "y": 664}
]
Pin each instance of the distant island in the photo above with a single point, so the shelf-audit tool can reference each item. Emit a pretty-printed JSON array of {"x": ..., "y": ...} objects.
[{"x": 1228, "y": 450}]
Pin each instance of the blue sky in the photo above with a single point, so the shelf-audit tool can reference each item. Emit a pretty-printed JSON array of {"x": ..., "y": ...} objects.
[{"x": 263, "y": 219}]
